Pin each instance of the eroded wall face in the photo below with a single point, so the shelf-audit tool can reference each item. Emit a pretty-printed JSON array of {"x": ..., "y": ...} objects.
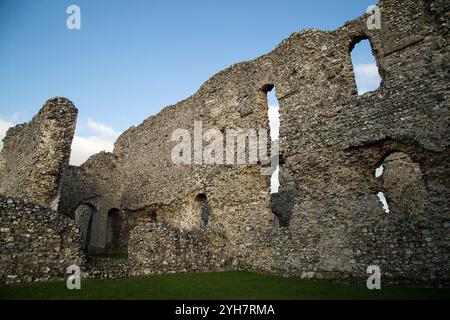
[
  {"x": 36, "y": 243},
  {"x": 159, "y": 248},
  {"x": 237, "y": 195},
  {"x": 34, "y": 154},
  {"x": 331, "y": 143}
]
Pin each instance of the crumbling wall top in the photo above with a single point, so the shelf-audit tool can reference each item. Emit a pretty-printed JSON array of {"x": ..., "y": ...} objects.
[{"x": 35, "y": 153}]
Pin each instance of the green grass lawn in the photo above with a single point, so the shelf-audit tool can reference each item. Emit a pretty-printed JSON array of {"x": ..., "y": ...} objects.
[{"x": 225, "y": 285}]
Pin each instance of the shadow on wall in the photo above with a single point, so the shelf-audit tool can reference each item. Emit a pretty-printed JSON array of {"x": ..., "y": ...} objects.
[
  {"x": 281, "y": 204},
  {"x": 116, "y": 232}
]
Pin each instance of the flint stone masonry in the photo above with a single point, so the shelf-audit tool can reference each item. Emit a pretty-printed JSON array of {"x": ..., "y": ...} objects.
[
  {"x": 106, "y": 268},
  {"x": 36, "y": 243},
  {"x": 326, "y": 221},
  {"x": 97, "y": 184},
  {"x": 157, "y": 248},
  {"x": 34, "y": 154}
]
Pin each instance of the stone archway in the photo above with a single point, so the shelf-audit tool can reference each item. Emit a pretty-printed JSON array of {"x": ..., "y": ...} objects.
[
  {"x": 402, "y": 183},
  {"x": 83, "y": 215}
]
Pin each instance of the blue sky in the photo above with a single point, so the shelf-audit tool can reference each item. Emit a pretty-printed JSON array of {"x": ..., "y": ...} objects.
[{"x": 132, "y": 58}]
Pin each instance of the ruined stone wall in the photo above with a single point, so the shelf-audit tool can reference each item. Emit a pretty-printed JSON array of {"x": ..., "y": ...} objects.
[
  {"x": 157, "y": 248},
  {"x": 238, "y": 195},
  {"x": 331, "y": 143},
  {"x": 36, "y": 243},
  {"x": 35, "y": 153}
]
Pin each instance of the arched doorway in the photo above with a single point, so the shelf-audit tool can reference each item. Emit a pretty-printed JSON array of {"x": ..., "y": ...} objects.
[
  {"x": 116, "y": 235},
  {"x": 83, "y": 217},
  {"x": 403, "y": 188}
]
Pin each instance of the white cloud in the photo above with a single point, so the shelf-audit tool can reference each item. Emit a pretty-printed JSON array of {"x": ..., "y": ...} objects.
[
  {"x": 368, "y": 71},
  {"x": 102, "y": 138},
  {"x": 4, "y": 126},
  {"x": 367, "y": 77},
  {"x": 84, "y": 147},
  {"x": 100, "y": 129}
]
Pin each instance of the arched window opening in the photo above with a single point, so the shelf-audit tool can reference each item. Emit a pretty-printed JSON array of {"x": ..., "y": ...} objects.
[
  {"x": 202, "y": 207},
  {"x": 402, "y": 183},
  {"x": 365, "y": 67},
  {"x": 274, "y": 125},
  {"x": 268, "y": 100},
  {"x": 83, "y": 217}
]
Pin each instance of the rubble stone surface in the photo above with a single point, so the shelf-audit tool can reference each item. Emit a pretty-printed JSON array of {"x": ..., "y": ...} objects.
[{"x": 331, "y": 142}]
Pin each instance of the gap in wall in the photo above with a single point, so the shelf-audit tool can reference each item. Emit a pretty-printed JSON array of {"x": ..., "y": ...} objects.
[
  {"x": 274, "y": 123},
  {"x": 367, "y": 76}
]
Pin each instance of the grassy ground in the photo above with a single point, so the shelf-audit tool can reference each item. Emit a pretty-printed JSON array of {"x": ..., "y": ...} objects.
[{"x": 226, "y": 285}]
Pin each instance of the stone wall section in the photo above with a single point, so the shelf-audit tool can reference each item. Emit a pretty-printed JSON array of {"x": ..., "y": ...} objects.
[
  {"x": 36, "y": 243},
  {"x": 157, "y": 248},
  {"x": 98, "y": 184},
  {"x": 34, "y": 154},
  {"x": 331, "y": 142}
]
